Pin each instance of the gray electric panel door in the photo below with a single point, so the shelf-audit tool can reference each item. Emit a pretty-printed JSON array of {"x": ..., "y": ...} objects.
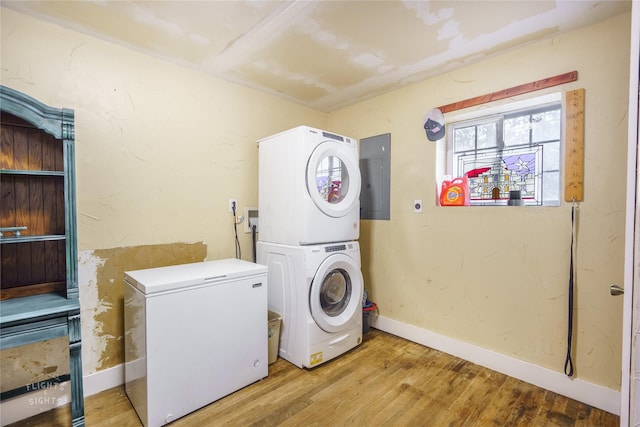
[{"x": 375, "y": 170}]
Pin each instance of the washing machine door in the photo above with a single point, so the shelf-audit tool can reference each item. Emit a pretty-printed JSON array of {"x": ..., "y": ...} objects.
[
  {"x": 333, "y": 178},
  {"x": 336, "y": 293}
]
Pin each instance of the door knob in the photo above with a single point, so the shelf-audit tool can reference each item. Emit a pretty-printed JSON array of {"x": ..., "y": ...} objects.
[{"x": 616, "y": 290}]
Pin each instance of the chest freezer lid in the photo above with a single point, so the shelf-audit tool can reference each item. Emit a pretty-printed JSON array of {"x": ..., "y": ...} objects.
[{"x": 159, "y": 279}]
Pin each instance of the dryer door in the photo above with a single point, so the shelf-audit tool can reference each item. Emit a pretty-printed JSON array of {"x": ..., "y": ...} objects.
[
  {"x": 336, "y": 293},
  {"x": 333, "y": 178}
]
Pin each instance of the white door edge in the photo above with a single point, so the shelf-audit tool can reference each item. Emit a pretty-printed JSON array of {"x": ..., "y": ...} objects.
[{"x": 629, "y": 405}]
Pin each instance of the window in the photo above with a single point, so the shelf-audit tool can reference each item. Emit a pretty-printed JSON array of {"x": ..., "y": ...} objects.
[{"x": 510, "y": 153}]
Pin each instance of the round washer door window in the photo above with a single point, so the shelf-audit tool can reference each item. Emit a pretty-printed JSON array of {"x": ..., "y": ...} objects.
[
  {"x": 333, "y": 178},
  {"x": 336, "y": 293}
]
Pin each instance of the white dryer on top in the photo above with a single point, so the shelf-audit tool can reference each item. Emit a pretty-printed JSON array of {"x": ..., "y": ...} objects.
[{"x": 309, "y": 187}]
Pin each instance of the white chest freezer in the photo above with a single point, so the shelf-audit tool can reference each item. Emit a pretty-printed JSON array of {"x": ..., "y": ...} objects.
[{"x": 193, "y": 333}]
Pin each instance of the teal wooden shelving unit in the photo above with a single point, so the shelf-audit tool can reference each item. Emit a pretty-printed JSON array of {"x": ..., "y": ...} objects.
[{"x": 38, "y": 244}]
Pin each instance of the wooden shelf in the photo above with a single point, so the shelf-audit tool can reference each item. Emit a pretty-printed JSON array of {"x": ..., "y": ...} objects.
[
  {"x": 58, "y": 288},
  {"x": 30, "y": 172},
  {"x": 28, "y": 239},
  {"x": 15, "y": 310}
]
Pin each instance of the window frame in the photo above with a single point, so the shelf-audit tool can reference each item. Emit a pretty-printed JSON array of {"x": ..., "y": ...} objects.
[{"x": 499, "y": 113}]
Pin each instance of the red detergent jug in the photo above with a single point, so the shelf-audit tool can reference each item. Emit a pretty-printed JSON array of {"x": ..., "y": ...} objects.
[{"x": 455, "y": 192}]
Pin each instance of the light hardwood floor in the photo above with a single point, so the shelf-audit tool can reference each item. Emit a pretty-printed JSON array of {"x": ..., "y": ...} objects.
[{"x": 386, "y": 381}]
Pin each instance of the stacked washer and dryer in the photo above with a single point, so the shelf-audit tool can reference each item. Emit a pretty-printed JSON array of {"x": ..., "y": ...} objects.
[{"x": 309, "y": 207}]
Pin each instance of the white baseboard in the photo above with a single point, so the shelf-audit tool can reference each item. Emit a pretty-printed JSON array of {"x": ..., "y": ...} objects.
[
  {"x": 592, "y": 394},
  {"x": 103, "y": 380},
  {"x": 49, "y": 397}
]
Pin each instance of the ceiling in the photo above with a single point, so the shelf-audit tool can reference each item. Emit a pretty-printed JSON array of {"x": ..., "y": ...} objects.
[{"x": 323, "y": 54}]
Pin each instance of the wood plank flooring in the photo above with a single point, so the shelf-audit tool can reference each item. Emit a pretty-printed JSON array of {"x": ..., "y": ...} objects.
[{"x": 386, "y": 381}]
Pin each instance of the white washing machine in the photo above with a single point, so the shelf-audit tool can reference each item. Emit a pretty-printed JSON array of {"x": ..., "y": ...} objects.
[
  {"x": 309, "y": 187},
  {"x": 318, "y": 291}
]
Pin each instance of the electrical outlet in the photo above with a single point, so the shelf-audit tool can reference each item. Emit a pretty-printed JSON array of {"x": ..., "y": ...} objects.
[
  {"x": 232, "y": 203},
  {"x": 251, "y": 214},
  {"x": 417, "y": 206}
]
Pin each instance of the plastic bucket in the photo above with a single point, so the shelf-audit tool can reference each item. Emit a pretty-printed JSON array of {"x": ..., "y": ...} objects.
[
  {"x": 366, "y": 316},
  {"x": 274, "y": 335}
]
